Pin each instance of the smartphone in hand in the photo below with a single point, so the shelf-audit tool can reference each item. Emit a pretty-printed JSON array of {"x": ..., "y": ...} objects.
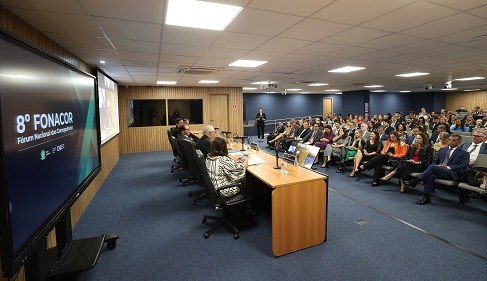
[{"x": 242, "y": 159}]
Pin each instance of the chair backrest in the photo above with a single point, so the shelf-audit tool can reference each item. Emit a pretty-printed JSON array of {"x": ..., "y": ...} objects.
[
  {"x": 477, "y": 130},
  {"x": 466, "y": 138},
  {"x": 251, "y": 123},
  {"x": 169, "y": 136},
  {"x": 175, "y": 146},
  {"x": 209, "y": 187},
  {"x": 217, "y": 202},
  {"x": 182, "y": 155},
  {"x": 481, "y": 161},
  {"x": 190, "y": 153}
]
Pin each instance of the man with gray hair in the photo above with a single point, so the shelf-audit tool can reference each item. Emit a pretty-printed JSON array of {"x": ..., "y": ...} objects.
[{"x": 204, "y": 143}]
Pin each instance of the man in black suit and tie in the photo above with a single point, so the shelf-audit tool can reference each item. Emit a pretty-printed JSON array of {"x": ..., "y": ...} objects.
[
  {"x": 313, "y": 136},
  {"x": 299, "y": 135},
  {"x": 383, "y": 136},
  {"x": 448, "y": 162},
  {"x": 204, "y": 143}
]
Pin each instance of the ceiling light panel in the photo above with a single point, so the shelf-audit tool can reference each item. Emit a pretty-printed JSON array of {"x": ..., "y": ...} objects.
[
  {"x": 346, "y": 69},
  {"x": 247, "y": 63},
  {"x": 200, "y": 14}
]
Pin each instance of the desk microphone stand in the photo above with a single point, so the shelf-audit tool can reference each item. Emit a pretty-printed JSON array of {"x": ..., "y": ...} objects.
[
  {"x": 241, "y": 138},
  {"x": 276, "y": 148}
]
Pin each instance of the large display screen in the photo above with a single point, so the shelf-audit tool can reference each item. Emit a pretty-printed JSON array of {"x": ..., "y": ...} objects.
[
  {"x": 108, "y": 104},
  {"x": 49, "y": 145}
]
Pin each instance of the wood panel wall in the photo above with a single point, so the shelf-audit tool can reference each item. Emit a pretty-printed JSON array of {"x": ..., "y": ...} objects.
[
  {"x": 154, "y": 138},
  {"x": 469, "y": 100},
  {"x": 15, "y": 26}
]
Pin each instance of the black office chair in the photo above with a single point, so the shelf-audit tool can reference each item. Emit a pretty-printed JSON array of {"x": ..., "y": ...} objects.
[
  {"x": 185, "y": 160},
  {"x": 220, "y": 203},
  {"x": 195, "y": 170},
  {"x": 176, "y": 151}
]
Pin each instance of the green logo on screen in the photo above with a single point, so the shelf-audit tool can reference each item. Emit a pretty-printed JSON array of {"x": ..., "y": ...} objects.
[{"x": 43, "y": 154}]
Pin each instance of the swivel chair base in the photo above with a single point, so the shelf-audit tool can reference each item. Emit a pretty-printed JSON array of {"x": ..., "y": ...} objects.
[{"x": 222, "y": 221}]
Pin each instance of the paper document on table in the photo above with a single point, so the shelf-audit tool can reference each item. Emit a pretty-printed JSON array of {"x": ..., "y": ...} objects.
[
  {"x": 255, "y": 161},
  {"x": 235, "y": 153}
]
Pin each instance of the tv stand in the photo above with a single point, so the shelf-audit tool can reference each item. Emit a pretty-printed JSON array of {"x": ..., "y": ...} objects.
[
  {"x": 80, "y": 255},
  {"x": 69, "y": 257}
]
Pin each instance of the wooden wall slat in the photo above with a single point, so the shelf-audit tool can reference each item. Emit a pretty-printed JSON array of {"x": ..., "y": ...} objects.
[
  {"x": 154, "y": 138},
  {"x": 468, "y": 100}
]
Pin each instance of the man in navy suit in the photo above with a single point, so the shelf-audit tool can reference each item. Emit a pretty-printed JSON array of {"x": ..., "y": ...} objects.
[
  {"x": 448, "y": 162},
  {"x": 383, "y": 136},
  {"x": 476, "y": 146}
]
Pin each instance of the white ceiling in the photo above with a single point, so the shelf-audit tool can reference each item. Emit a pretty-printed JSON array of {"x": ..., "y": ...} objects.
[{"x": 301, "y": 39}]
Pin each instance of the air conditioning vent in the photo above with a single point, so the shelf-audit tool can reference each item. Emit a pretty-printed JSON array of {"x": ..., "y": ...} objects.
[{"x": 197, "y": 70}]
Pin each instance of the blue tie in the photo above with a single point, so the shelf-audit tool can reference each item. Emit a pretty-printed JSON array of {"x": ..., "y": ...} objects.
[{"x": 447, "y": 157}]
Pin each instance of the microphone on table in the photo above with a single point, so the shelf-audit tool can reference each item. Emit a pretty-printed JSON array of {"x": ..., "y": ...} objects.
[
  {"x": 277, "y": 149},
  {"x": 235, "y": 136}
]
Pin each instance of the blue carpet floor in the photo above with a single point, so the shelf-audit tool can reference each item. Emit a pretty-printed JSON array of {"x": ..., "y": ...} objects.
[{"x": 161, "y": 234}]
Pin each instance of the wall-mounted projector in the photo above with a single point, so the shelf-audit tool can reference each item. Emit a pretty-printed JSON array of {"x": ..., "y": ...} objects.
[{"x": 268, "y": 86}]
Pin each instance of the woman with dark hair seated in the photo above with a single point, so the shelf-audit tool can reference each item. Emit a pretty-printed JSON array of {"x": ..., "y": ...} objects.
[
  {"x": 223, "y": 170},
  {"x": 372, "y": 147},
  {"x": 401, "y": 130},
  {"x": 394, "y": 149},
  {"x": 351, "y": 150},
  {"x": 339, "y": 144},
  {"x": 325, "y": 142},
  {"x": 418, "y": 158}
]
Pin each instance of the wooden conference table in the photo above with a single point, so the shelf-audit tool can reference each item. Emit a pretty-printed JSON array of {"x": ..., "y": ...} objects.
[{"x": 299, "y": 203}]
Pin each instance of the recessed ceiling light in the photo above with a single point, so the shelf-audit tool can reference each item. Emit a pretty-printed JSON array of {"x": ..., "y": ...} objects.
[
  {"x": 248, "y": 63},
  {"x": 346, "y": 69},
  {"x": 412, "y": 74},
  {"x": 270, "y": 92},
  {"x": 450, "y": 89},
  {"x": 262, "y": 83},
  {"x": 102, "y": 61},
  {"x": 471, "y": 90},
  {"x": 294, "y": 89},
  {"x": 373, "y": 86},
  {"x": 209, "y": 81},
  {"x": 332, "y": 90},
  {"x": 200, "y": 14},
  {"x": 318, "y": 84},
  {"x": 469, "y": 78},
  {"x": 378, "y": 91},
  {"x": 249, "y": 88},
  {"x": 404, "y": 91},
  {"x": 304, "y": 92},
  {"x": 166, "y": 82}
]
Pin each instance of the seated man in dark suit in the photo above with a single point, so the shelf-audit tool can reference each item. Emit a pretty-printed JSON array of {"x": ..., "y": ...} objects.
[
  {"x": 448, "y": 163},
  {"x": 204, "y": 143},
  {"x": 176, "y": 129},
  {"x": 313, "y": 135},
  {"x": 184, "y": 133},
  {"x": 300, "y": 134},
  {"x": 383, "y": 136}
]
